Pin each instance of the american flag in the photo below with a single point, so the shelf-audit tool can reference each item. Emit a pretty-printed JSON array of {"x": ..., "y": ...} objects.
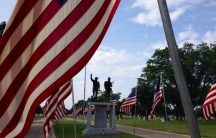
[
  {"x": 54, "y": 109},
  {"x": 78, "y": 111},
  {"x": 45, "y": 43},
  {"x": 209, "y": 106},
  {"x": 113, "y": 101},
  {"x": 158, "y": 97},
  {"x": 129, "y": 102},
  {"x": 60, "y": 112},
  {"x": 92, "y": 109}
]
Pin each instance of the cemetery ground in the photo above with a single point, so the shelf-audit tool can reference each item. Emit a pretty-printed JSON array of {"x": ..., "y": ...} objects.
[
  {"x": 69, "y": 131},
  {"x": 207, "y": 128}
]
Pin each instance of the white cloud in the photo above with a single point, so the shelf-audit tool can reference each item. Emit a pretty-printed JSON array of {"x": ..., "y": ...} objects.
[
  {"x": 124, "y": 67},
  {"x": 188, "y": 35},
  {"x": 192, "y": 36},
  {"x": 150, "y": 15},
  {"x": 117, "y": 63},
  {"x": 150, "y": 19},
  {"x": 159, "y": 45},
  {"x": 178, "y": 12},
  {"x": 209, "y": 37}
]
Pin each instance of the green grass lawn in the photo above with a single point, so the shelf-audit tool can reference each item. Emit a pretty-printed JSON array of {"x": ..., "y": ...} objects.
[
  {"x": 69, "y": 129},
  {"x": 38, "y": 117},
  {"x": 207, "y": 128}
]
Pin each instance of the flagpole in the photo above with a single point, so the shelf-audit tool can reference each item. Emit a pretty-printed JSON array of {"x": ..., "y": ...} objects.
[
  {"x": 74, "y": 109},
  {"x": 62, "y": 127},
  {"x": 135, "y": 111},
  {"x": 178, "y": 70},
  {"x": 84, "y": 95},
  {"x": 162, "y": 85}
]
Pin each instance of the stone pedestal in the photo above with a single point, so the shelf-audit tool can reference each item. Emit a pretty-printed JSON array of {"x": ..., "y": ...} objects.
[{"x": 100, "y": 119}]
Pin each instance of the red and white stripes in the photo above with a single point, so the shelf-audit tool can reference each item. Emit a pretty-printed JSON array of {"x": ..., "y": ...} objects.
[
  {"x": 209, "y": 106},
  {"x": 158, "y": 97},
  {"x": 44, "y": 45},
  {"x": 54, "y": 108}
]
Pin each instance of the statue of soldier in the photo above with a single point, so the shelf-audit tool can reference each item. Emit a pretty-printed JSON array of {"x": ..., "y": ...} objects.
[
  {"x": 96, "y": 87},
  {"x": 108, "y": 88}
]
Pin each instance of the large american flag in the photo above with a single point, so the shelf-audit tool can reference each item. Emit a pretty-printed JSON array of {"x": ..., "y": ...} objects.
[
  {"x": 46, "y": 42},
  {"x": 158, "y": 97},
  {"x": 129, "y": 102},
  {"x": 209, "y": 106}
]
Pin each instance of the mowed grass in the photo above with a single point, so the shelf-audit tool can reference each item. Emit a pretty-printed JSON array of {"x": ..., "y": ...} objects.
[
  {"x": 207, "y": 128},
  {"x": 69, "y": 131}
]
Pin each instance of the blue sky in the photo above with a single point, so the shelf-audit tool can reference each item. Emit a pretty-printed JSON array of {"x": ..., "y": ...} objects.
[{"x": 135, "y": 32}]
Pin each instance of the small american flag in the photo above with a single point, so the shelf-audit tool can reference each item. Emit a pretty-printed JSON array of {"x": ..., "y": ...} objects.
[
  {"x": 158, "y": 97},
  {"x": 78, "y": 111},
  {"x": 209, "y": 106},
  {"x": 54, "y": 106},
  {"x": 113, "y": 101},
  {"x": 129, "y": 101}
]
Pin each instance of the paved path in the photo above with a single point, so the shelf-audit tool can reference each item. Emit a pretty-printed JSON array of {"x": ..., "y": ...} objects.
[
  {"x": 36, "y": 130},
  {"x": 148, "y": 133}
]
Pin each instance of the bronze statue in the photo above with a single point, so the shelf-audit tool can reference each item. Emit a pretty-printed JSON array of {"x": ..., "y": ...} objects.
[
  {"x": 96, "y": 87},
  {"x": 108, "y": 88}
]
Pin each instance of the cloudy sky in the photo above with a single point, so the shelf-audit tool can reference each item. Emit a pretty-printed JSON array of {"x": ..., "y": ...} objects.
[{"x": 135, "y": 32}]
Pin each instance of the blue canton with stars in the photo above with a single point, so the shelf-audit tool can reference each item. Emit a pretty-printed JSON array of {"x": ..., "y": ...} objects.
[{"x": 62, "y": 2}]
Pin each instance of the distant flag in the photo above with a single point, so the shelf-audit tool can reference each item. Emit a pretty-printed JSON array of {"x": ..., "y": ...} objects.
[
  {"x": 60, "y": 111},
  {"x": 78, "y": 110},
  {"x": 54, "y": 109},
  {"x": 113, "y": 101},
  {"x": 209, "y": 106},
  {"x": 45, "y": 43},
  {"x": 86, "y": 110},
  {"x": 93, "y": 108},
  {"x": 158, "y": 97},
  {"x": 129, "y": 102}
]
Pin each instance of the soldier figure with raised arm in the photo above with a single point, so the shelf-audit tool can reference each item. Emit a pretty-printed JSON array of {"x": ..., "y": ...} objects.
[{"x": 96, "y": 87}]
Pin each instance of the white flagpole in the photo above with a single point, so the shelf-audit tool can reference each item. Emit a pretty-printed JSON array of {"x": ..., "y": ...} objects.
[
  {"x": 62, "y": 127},
  {"x": 178, "y": 70},
  {"x": 162, "y": 85},
  {"x": 135, "y": 110},
  {"x": 74, "y": 110},
  {"x": 84, "y": 95}
]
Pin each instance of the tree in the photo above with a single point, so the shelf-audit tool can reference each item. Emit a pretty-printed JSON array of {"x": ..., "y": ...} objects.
[
  {"x": 199, "y": 63},
  {"x": 2, "y": 27},
  {"x": 39, "y": 110}
]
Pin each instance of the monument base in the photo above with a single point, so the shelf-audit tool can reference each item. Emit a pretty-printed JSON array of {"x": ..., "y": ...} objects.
[
  {"x": 99, "y": 131},
  {"x": 100, "y": 121}
]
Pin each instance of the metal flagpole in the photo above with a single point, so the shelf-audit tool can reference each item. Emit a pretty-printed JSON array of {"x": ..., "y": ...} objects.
[
  {"x": 162, "y": 85},
  {"x": 74, "y": 110},
  {"x": 135, "y": 110},
  {"x": 84, "y": 96},
  {"x": 178, "y": 70},
  {"x": 62, "y": 127}
]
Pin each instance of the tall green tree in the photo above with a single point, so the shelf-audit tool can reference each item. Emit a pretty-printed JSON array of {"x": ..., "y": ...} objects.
[{"x": 199, "y": 64}]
